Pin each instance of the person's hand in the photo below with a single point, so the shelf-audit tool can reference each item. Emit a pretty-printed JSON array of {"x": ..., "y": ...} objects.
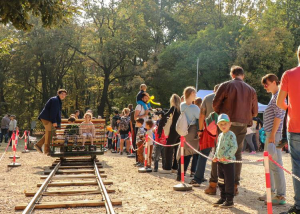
[
  {"x": 215, "y": 160},
  {"x": 272, "y": 138},
  {"x": 200, "y": 134},
  {"x": 223, "y": 159},
  {"x": 54, "y": 125}
]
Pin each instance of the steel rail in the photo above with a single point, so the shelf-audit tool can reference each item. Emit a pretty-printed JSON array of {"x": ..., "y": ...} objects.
[
  {"x": 39, "y": 193},
  {"x": 108, "y": 204}
]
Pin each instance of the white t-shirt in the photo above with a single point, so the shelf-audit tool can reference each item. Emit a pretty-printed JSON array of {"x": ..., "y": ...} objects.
[
  {"x": 142, "y": 112},
  {"x": 150, "y": 137}
]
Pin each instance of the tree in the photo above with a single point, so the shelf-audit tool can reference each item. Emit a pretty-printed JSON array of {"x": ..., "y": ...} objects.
[{"x": 18, "y": 12}]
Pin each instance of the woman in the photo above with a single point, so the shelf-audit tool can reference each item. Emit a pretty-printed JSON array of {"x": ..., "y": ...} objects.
[
  {"x": 273, "y": 123},
  {"x": 192, "y": 112},
  {"x": 124, "y": 128},
  {"x": 173, "y": 137}
]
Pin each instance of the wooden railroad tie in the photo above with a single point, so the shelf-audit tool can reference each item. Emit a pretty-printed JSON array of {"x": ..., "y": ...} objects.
[
  {"x": 80, "y": 171},
  {"x": 75, "y": 183},
  {"x": 67, "y": 204},
  {"x": 70, "y": 192},
  {"x": 58, "y": 177}
]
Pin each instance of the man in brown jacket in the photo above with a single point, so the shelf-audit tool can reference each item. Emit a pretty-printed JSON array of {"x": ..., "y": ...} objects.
[{"x": 239, "y": 101}]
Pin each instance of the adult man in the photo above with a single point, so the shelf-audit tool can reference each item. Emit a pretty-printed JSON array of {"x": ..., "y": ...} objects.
[
  {"x": 50, "y": 117},
  {"x": 290, "y": 87},
  {"x": 140, "y": 112},
  {"x": 239, "y": 101},
  {"x": 4, "y": 128},
  {"x": 205, "y": 110}
]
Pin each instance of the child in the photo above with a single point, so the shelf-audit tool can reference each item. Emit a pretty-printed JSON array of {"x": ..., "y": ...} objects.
[
  {"x": 71, "y": 132},
  {"x": 226, "y": 149},
  {"x": 110, "y": 136},
  {"x": 87, "y": 130},
  {"x": 143, "y": 89},
  {"x": 140, "y": 138},
  {"x": 158, "y": 149},
  {"x": 149, "y": 143}
]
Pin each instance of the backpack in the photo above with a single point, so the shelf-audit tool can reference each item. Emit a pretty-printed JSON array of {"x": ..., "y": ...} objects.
[
  {"x": 168, "y": 124},
  {"x": 262, "y": 135},
  {"x": 182, "y": 125},
  {"x": 124, "y": 123},
  {"x": 211, "y": 123}
]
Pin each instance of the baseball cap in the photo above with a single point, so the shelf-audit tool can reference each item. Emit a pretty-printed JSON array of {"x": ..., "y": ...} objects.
[{"x": 223, "y": 117}]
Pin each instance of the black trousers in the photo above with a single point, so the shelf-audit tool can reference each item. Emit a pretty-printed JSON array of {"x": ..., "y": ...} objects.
[
  {"x": 4, "y": 133},
  {"x": 170, "y": 151},
  {"x": 226, "y": 176}
]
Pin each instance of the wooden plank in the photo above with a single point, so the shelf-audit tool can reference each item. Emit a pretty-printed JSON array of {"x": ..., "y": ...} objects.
[
  {"x": 67, "y": 204},
  {"x": 76, "y": 164},
  {"x": 58, "y": 177},
  {"x": 79, "y": 171},
  {"x": 77, "y": 167},
  {"x": 70, "y": 192},
  {"x": 76, "y": 160},
  {"x": 75, "y": 183}
]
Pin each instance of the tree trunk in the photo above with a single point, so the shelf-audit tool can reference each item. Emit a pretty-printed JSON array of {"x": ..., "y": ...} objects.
[{"x": 104, "y": 94}]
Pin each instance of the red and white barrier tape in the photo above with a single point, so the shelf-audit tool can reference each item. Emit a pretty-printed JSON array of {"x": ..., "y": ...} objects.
[
  {"x": 5, "y": 149},
  {"x": 164, "y": 145},
  {"x": 231, "y": 161}
]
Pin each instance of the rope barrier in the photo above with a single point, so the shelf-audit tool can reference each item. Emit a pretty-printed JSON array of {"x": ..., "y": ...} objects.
[
  {"x": 5, "y": 149},
  {"x": 284, "y": 169},
  {"x": 164, "y": 145},
  {"x": 231, "y": 161}
]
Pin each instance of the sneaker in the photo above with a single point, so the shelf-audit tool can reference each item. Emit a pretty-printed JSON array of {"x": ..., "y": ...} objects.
[
  {"x": 219, "y": 202},
  {"x": 227, "y": 204},
  {"x": 292, "y": 210},
  {"x": 194, "y": 183},
  {"x": 204, "y": 180},
  {"x": 278, "y": 200},
  {"x": 39, "y": 149},
  {"x": 253, "y": 153},
  {"x": 155, "y": 170},
  {"x": 264, "y": 197}
]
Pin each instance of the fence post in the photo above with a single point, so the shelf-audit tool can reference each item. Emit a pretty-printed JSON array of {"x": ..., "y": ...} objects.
[{"x": 268, "y": 182}]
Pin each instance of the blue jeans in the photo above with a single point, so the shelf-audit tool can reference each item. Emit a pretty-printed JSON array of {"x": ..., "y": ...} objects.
[
  {"x": 294, "y": 148},
  {"x": 201, "y": 164},
  {"x": 276, "y": 174},
  {"x": 146, "y": 106}
]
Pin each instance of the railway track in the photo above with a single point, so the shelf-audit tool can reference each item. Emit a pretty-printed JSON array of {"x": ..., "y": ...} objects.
[{"x": 79, "y": 172}]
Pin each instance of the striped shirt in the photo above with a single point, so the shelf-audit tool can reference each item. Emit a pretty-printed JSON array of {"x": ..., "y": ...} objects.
[{"x": 273, "y": 111}]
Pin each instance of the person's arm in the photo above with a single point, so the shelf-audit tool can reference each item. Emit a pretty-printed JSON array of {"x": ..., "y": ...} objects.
[
  {"x": 136, "y": 114},
  {"x": 171, "y": 111},
  {"x": 254, "y": 105},
  {"x": 219, "y": 97},
  {"x": 280, "y": 102},
  {"x": 54, "y": 110}
]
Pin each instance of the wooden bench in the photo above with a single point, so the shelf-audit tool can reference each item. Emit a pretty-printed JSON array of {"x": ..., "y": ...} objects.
[{"x": 59, "y": 149}]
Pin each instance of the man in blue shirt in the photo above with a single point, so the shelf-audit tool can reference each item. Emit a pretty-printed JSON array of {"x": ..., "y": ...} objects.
[{"x": 50, "y": 117}]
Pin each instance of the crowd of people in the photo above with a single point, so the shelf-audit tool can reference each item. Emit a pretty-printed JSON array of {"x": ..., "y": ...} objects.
[
  {"x": 225, "y": 123},
  {"x": 8, "y": 126}
]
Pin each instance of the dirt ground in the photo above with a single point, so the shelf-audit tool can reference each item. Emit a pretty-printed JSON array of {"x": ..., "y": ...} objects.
[{"x": 140, "y": 193}]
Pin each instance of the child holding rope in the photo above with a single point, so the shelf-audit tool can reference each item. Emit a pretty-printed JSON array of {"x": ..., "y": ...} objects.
[
  {"x": 149, "y": 143},
  {"x": 140, "y": 138},
  {"x": 226, "y": 149}
]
